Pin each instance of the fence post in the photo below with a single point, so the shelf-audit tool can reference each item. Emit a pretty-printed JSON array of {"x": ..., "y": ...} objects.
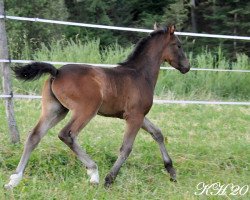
[{"x": 9, "y": 106}]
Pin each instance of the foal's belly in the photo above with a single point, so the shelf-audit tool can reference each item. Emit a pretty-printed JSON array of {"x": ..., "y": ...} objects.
[
  {"x": 111, "y": 111},
  {"x": 119, "y": 114}
]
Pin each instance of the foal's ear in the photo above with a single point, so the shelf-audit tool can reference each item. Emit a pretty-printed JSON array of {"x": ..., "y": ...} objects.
[
  {"x": 171, "y": 29},
  {"x": 156, "y": 26}
]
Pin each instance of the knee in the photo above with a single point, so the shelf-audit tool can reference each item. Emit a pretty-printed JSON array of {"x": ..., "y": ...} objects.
[{"x": 158, "y": 136}]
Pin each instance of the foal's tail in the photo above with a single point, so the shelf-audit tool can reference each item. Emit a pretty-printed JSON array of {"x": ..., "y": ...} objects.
[{"x": 34, "y": 71}]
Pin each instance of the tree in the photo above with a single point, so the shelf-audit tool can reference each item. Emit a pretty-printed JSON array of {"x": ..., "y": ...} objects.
[
  {"x": 133, "y": 13},
  {"x": 177, "y": 13},
  {"x": 202, "y": 16},
  {"x": 193, "y": 16},
  {"x": 226, "y": 17},
  {"x": 30, "y": 33}
]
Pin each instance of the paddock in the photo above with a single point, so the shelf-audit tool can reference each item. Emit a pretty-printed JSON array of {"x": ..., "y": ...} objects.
[{"x": 208, "y": 143}]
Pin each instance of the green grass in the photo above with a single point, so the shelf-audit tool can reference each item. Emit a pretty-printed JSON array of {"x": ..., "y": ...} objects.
[
  {"x": 207, "y": 144},
  {"x": 171, "y": 84}
]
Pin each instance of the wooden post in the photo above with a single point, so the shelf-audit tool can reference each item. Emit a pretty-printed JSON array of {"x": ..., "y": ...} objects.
[{"x": 9, "y": 106}]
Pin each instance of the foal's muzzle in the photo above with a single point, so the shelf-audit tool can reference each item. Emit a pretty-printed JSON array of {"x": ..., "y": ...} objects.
[
  {"x": 184, "y": 70},
  {"x": 184, "y": 66}
]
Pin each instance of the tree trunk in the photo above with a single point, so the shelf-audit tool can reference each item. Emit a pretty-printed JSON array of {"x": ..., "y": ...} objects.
[
  {"x": 235, "y": 33},
  {"x": 193, "y": 16},
  {"x": 9, "y": 106}
]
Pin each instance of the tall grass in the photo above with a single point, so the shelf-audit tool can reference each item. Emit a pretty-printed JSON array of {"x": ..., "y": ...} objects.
[
  {"x": 171, "y": 84},
  {"x": 205, "y": 84}
]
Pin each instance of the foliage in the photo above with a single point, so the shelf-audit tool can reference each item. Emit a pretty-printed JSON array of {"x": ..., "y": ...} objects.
[
  {"x": 227, "y": 17},
  {"x": 22, "y": 33},
  {"x": 177, "y": 13},
  {"x": 210, "y": 16}
]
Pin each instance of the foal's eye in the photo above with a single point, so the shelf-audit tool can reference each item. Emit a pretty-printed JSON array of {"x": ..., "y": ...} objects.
[{"x": 178, "y": 45}]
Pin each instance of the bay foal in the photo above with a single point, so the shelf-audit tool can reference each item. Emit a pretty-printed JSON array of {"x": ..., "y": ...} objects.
[{"x": 125, "y": 92}]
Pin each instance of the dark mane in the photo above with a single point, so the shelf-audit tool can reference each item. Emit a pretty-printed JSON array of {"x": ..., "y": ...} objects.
[{"x": 140, "y": 46}]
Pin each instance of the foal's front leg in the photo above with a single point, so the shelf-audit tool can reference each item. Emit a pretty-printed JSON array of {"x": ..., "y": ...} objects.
[
  {"x": 156, "y": 133},
  {"x": 133, "y": 124}
]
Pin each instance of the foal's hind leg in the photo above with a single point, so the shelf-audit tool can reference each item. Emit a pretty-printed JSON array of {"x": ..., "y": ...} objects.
[
  {"x": 69, "y": 134},
  {"x": 52, "y": 113},
  {"x": 158, "y": 137}
]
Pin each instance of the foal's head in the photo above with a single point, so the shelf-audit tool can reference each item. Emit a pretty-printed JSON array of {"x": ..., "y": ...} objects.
[{"x": 173, "y": 52}]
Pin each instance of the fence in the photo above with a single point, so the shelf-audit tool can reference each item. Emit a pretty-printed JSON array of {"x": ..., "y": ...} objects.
[
  {"x": 6, "y": 79},
  {"x": 109, "y": 65},
  {"x": 156, "y": 101},
  {"x": 120, "y": 28}
]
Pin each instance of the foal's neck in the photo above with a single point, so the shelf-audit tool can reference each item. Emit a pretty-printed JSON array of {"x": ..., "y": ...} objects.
[{"x": 149, "y": 61}]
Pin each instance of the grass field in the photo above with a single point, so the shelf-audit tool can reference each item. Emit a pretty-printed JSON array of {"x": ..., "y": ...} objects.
[{"x": 207, "y": 144}]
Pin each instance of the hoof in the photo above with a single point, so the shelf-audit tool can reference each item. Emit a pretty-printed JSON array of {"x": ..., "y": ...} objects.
[
  {"x": 173, "y": 180},
  {"x": 172, "y": 173},
  {"x": 14, "y": 181},
  {"x": 8, "y": 186},
  {"x": 109, "y": 180},
  {"x": 94, "y": 176}
]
